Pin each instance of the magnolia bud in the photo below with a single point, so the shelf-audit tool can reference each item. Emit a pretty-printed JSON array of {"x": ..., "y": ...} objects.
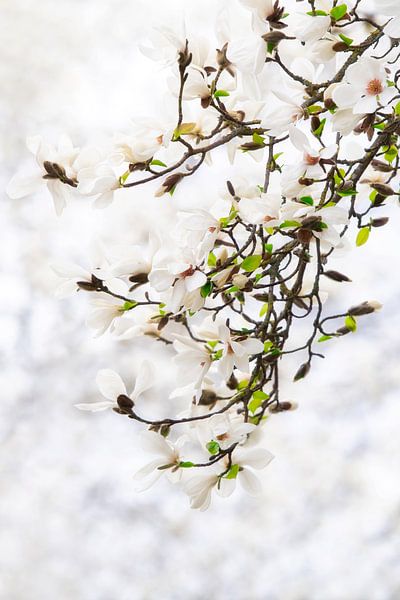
[
  {"x": 336, "y": 276},
  {"x": 365, "y": 308},
  {"x": 383, "y": 188},
  {"x": 379, "y": 165},
  {"x": 283, "y": 407},
  {"x": 125, "y": 404},
  {"x": 169, "y": 184},
  {"x": 340, "y": 47},
  {"x": 208, "y": 398},
  {"x": 329, "y": 103},
  {"x": 306, "y": 181},
  {"x": 274, "y": 37},
  {"x": 379, "y": 222},
  {"x": 304, "y": 236},
  {"x": 240, "y": 280},
  {"x": 303, "y": 370},
  {"x": 343, "y": 330}
]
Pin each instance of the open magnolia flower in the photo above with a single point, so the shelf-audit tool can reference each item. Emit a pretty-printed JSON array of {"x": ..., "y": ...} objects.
[
  {"x": 229, "y": 268},
  {"x": 55, "y": 169},
  {"x": 114, "y": 390},
  {"x": 365, "y": 87}
]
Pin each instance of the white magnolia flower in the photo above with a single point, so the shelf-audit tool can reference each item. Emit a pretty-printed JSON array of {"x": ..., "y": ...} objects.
[
  {"x": 107, "y": 308},
  {"x": 98, "y": 179},
  {"x": 131, "y": 260},
  {"x": 199, "y": 488},
  {"x": 310, "y": 166},
  {"x": 133, "y": 149},
  {"x": 227, "y": 430},
  {"x": 244, "y": 462},
  {"x": 365, "y": 87},
  {"x": 55, "y": 170},
  {"x": 235, "y": 351},
  {"x": 180, "y": 279},
  {"x": 193, "y": 360},
  {"x": 247, "y": 460},
  {"x": 199, "y": 230},
  {"x": 112, "y": 387},
  {"x": 309, "y": 28},
  {"x": 265, "y": 210},
  {"x": 166, "y": 460}
]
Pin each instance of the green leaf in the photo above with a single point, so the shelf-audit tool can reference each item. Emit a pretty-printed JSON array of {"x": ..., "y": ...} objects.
[
  {"x": 157, "y": 163},
  {"x": 233, "y": 472},
  {"x": 206, "y": 289},
  {"x": 258, "y": 139},
  {"x": 288, "y": 224},
  {"x": 127, "y": 306},
  {"x": 362, "y": 236},
  {"x": 251, "y": 263},
  {"x": 220, "y": 93},
  {"x": 344, "y": 193},
  {"x": 315, "y": 109},
  {"x": 186, "y": 464},
  {"x": 268, "y": 248},
  {"x": 267, "y": 346},
  {"x": 307, "y": 200},
  {"x": 338, "y": 12},
  {"x": 350, "y": 323},
  {"x": 257, "y": 400},
  {"x": 242, "y": 385},
  {"x": 317, "y": 13},
  {"x": 318, "y": 132},
  {"x": 212, "y": 260},
  {"x": 264, "y": 309},
  {"x": 213, "y": 447},
  {"x": 391, "y": 153},
  {"x": 348, "y": 41},
  {"x": 325, "y": 338},
  {"x": 397, "y": 109}
]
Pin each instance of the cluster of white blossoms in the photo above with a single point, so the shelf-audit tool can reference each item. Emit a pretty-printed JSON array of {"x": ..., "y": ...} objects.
[{"x": 307, "y": 89}]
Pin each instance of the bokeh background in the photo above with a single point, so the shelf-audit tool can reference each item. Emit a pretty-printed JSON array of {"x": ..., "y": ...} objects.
[{"x": 72, "y": 527}]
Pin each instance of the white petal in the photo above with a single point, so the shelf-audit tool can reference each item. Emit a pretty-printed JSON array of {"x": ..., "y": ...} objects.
[
  {"x": 145, "y": 378},
  {"x": 95, "y": 406},
  {"x": 110, "y": 384},
  {"x": 195, "y": 281},
  {"x": 257, "y": 458},
  {"x": 20, "y": 185},
  {"x": 249, "y": 482},
  {"x": 345, "y": 95}
]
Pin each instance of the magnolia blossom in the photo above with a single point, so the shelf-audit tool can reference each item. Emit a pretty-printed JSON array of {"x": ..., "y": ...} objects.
[
  {"x": 180, "y": 279},
  {"x": 55, "y": 170},
  {"x": 166, "y": 460},
  {"x": 365, "y": 87},
  {"x": 112, "y": 387},
  {"x": 193, "y": 360},
  {"x": 244, "y": 461},
  {"x": 247, "y": 460},
  {"x": 226, "y": 430}
]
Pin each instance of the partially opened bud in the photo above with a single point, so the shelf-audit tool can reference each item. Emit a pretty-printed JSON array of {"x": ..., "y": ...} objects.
[
  {"x": 169, "y": 184},
  {"x": 240, "y": 280},
  {"x": 365, "y": 308}
]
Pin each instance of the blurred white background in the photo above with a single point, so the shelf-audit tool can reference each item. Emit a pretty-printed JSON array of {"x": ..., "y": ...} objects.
[{"x": 72, "y": 528}]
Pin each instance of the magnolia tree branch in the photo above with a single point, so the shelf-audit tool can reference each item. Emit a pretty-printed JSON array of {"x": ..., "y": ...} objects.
[{"x": 229, "y": 288}]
